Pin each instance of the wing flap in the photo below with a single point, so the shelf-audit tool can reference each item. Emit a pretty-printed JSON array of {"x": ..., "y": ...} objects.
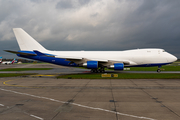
[{"x": 69, "y": 58}]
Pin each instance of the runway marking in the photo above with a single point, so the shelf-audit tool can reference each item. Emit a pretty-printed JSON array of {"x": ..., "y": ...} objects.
[
  {"x": 1, "y": 105},
  {"x": 84, "y": 106},
  {"x": 40, "y": 75},
  {"x": 5, "y": 83},
  {"x": 29, "y": 114},
  {"x": 36, "y": 117}
]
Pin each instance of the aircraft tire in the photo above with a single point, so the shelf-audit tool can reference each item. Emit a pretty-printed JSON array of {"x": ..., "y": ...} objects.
[
  {"x": 94, "y": 70},
  {"x": 158, "y": 70}
]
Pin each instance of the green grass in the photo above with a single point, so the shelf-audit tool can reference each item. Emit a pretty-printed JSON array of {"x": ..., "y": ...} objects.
[
  {"x": 14, "y": 74},
  {"x": 163, "y": 68},
  {"x": 24, "y": 69},
  {"x": 125, "y": 76},
  {"x": 172, "y": 67}
]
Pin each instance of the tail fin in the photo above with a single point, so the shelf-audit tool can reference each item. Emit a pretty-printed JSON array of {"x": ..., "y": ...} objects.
[
  {"x": 0, "y": 59},
  {"x": 26, "y": 42},
  {"x": 13, "y": 61}
]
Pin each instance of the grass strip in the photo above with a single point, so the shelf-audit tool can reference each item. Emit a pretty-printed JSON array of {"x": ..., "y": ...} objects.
[
  {"x": 124, "y": 76},
  {"x": 163, "y": 68},
  {"x": 14, "y": 74},
  {"x": 24, "y": 69}
]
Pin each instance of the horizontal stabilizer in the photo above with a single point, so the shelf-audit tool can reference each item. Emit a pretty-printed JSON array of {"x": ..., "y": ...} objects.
[{"x": 21, "y": 53}]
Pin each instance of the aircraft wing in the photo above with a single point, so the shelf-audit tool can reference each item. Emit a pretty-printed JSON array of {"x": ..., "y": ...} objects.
[
  {"x": 105, "y": 62},
  {"x": 80, "y": 59}
]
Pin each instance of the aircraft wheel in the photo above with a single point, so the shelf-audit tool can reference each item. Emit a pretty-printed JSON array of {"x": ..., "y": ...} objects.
[
  {"x": 102, "y": 70},
  {"x": 94, "y": 70},
  {"x": 158, "y": 70}
]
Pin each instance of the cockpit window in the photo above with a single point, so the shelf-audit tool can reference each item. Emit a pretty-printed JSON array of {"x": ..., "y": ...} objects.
[{"x": 164, "y": 51}]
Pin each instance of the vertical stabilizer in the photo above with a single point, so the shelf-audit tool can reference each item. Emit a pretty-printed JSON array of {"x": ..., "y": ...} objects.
[
  {"x": 26, "y": 42},
  {"x": 13, "y": 61},
  {"x": 0, "y": 59}
]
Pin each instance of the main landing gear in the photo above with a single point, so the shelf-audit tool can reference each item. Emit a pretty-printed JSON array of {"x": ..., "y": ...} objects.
[
  {"x": 159, "y": 70},
  {"x": 101, "y": 70}
]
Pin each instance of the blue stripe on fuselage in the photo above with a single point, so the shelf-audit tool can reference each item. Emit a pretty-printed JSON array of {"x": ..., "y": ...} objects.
[
  {"x": 57, "y": 61},
  {"x": 53, "y": 60}
]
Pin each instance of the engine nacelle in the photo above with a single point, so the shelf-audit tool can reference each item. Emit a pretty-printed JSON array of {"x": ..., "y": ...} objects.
[
  {"x": 91, "y": 64},
  {"x": 117, "y": 66}
]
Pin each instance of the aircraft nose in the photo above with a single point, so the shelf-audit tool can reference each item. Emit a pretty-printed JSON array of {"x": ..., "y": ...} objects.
[{"x": 172, "y": 58}]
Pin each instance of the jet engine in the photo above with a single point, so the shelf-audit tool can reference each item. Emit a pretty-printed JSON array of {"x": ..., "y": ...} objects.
[
  {"x": 91, "y": 64},
  {"x": 117, "y": 66}
]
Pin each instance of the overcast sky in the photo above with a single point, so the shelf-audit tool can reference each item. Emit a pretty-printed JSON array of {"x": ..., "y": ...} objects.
[{"x": 92, "y": 24}]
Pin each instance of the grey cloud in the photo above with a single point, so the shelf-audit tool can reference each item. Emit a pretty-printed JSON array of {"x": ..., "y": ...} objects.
[
  {"x": 8, "y": 45},
  {"x": 94, "y": 25},
  {"x": 64, "y": 4},
  {"x": 94, "y": 15},
  {"x": 37, "y": 1},
  {"x": 70, "y": 4},
  {"x": 84, "y": 2}
]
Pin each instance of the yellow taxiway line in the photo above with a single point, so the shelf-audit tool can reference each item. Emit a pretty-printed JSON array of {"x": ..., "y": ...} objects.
[{"x": 6, "y": 83}]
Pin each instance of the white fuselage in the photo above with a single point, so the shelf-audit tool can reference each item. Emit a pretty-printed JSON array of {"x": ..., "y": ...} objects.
[
  {"x": 6, "y": 62},
  {"x": 135, "y": 57}
]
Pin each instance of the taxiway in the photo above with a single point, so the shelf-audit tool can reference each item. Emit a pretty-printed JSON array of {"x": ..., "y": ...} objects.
[{"x": 48, "y": 98}]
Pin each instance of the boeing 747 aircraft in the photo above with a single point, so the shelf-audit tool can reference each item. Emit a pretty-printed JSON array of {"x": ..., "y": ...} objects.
[{"x": 94, "y": 60}]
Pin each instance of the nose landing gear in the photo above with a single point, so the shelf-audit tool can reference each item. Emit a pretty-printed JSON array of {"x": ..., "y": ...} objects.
[{"x": 159, "y": 70}]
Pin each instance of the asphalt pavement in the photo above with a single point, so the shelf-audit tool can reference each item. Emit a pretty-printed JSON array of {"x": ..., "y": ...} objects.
[{"x": 49, "y": 98}]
